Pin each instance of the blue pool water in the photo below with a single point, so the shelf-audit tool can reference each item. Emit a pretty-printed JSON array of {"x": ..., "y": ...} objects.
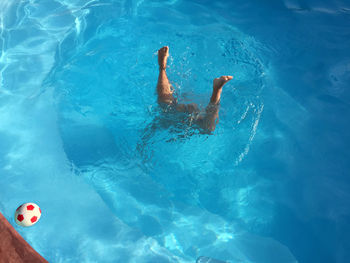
[{"x": 80, "y": 133}]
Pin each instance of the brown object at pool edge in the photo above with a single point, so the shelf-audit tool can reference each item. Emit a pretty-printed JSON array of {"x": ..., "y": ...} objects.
[{"x": 13, "y": 248}]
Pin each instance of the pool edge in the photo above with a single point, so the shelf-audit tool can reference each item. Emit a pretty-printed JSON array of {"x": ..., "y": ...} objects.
[{"x": 13, "y": 248}]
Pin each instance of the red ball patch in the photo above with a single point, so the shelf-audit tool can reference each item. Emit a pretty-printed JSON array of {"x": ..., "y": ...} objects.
[
  {"x": 40, "y": 210},
  {"x": 20, "y": 218},
  {"x": 33, "y": 219},
  {"x": 30, "y": 207}
]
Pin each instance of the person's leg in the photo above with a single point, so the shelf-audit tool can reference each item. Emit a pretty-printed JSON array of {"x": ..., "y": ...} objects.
[
  {"x": 210, "y": 119},
  {"x": 164, "y": 90},
  {"x": 218, "y": 83}
]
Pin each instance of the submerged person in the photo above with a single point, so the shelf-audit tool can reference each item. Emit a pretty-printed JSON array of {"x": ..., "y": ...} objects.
[{"x": 206, "y": 120}]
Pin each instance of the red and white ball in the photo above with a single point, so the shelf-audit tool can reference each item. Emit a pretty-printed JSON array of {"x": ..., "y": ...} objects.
[{"x": 27, "y": 214}]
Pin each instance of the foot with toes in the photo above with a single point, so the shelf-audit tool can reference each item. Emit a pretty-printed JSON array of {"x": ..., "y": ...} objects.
[{"x": 218, "y": 83}]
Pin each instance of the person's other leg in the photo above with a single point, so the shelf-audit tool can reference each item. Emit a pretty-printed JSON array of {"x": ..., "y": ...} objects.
[
  {"x": 211, "y": 117},
  {"x": 164, "y": 90}
]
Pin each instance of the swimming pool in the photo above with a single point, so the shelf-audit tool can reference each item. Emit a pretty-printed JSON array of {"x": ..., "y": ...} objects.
[{"x": 79, "y": 134}]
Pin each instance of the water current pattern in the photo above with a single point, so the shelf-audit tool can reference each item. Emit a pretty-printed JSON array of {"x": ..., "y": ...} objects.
[{"x": 120, "y": 180}]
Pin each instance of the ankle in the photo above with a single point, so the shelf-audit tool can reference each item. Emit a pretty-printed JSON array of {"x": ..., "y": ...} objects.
[{"x": 217, "y": 88}]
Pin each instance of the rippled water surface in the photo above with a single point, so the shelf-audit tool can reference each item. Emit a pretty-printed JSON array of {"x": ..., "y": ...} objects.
[{"x": 82, "y": 135}]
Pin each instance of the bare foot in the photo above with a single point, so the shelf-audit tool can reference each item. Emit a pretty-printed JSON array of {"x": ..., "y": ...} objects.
[
  {"x": 163, "y": 55},
  {"x": 218, "y": 83}
]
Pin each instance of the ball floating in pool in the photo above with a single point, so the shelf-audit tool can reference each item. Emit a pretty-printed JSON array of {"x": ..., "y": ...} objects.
[{"x": 27, "y": 214}]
